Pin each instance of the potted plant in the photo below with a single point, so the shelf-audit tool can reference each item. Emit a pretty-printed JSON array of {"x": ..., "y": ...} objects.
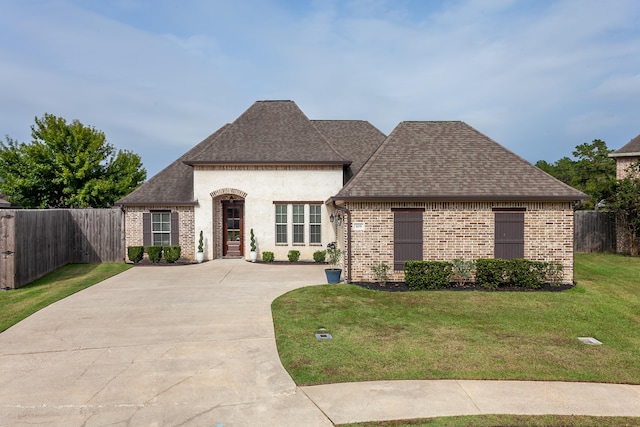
[
  {"x": 254, "y": 253},
  {"x": 200, "y": 253},
  {"x": 335, "y": 256}
]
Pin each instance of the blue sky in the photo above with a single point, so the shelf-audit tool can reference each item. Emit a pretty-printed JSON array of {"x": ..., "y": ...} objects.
[{"x": 158, "y": 76}]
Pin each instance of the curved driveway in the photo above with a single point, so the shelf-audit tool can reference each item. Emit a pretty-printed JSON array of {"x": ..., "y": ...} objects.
[{"x": 194, "y": 346}]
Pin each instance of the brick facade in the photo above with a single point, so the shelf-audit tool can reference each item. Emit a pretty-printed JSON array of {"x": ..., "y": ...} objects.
[
  {"x": 187, "y": 243},
  {"x": 458, "y": 230},
  {"x": 622, "y": 163}
]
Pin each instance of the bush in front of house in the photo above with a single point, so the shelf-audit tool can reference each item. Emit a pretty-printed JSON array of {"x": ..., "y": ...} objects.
[
  {"x": 526, "y": 273},
  {"x": 491, "y": 273},
  {"x": 519, "y": 272},
  {"x": 135, "y": 253},
  {"x": 462, "y": 270},
  {"x": 293, "y": 255},
  {"x": 427, "y": 274},
  {"x": 155, "y": 253},
  {"x": 171, "y": 253},
  {"x": 319, "y": 256},
  {"x": 268, "y": 256}
]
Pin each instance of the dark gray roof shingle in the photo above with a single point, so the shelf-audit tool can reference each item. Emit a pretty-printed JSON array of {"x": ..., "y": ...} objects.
[
  {"x": 269, "y": 132},
  {"x": 450, "y": 161},
  {"x": 631, "y": 148},
  {"x": 356, "y": 140}
]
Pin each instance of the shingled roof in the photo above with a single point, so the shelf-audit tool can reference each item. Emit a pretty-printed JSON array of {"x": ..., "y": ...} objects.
[
  {"x": 356, "y": 140},
  {"x": 630, "y": 149},
  {"x": 450, "y": 161},
  {"x": 269, "y": 132},
  {"x": 173, "y": 185}
]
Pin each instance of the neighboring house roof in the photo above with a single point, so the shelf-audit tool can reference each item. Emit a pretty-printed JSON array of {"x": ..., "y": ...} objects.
[
  {"x": 630, "y": 149},
  {"x": 356, "y": 140},
  {"x": 450, "y": 161},
  {"x": 269, "y": 132},
  {"x": 171, "y": 186}
]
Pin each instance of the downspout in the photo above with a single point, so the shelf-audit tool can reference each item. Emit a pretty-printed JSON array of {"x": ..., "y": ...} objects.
[{"x": 347, "y": 213}]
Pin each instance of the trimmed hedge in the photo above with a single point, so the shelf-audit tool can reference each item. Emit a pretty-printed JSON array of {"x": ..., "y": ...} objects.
[
  {"x": 293, "y": 255},
  {"x": 319, "y": 256},
  {"x": 171, "y": 253},
  {"x": 268, "y": 256},
  {"x": 135, "y": 253},
  {"x": 490, "y": 273},
  {"x": 493, "y": 273},
  {"x": 155, "y": 253},
  {"x": 427, "y": 274}
]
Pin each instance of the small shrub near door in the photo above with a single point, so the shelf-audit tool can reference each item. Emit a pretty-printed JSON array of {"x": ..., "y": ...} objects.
[
  {"x": 268, "y": 256},
  {"x": 294, "y": 256},
  {"x": 135, "y": 253},
  {"x": 319, "y": 256},
  {"x": 155, "y": 253},
  {"x": 171, "y": 253}
]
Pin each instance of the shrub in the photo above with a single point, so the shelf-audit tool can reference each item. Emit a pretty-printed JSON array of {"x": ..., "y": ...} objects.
[
  {"x": 171, "y": 253},
  {"x": 490, "y": 273},
  {"x": 253, "y": 241},
  {"x": 268, "y": 256},
  {"x": 462, "y": 270},
  {"x": 525, "y": 273},
  {"x": 293, "y": 256},
  {"x": 380, "y": 271},
  {"x": 319, "y": 256},
  {"x": 334, "y": 254},
  {"x": 555, "y": 274},
  {"x": 427, "y": 274},
  {"x": 201, "y": 243},
  {"x": 135, "y": 253},
  {"x": 155, "y": 253}
]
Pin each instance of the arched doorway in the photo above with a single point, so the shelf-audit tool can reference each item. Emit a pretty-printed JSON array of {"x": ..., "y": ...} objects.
[{"x": 228, "y": 222}]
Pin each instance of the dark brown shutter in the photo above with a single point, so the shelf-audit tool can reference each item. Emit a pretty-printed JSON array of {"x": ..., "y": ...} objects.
[
  {"x": 175, "y": 229},
  {"x": 509, "y": 235},
  {"x": 407, "y": 238},
  {"x": 146, "y": 229}
]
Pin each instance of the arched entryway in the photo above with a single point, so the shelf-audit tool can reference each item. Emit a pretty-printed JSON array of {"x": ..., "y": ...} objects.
[{"x": 228, "y": 222}]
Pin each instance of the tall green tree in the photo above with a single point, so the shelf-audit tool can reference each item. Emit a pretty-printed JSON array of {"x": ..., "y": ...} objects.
[
  {"x": 66, "y": 165},
  {"x": 593, "y": 172},
  {"x": 625, "y": 202}
]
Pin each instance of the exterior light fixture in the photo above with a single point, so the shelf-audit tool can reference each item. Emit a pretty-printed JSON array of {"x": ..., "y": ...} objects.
[{"x": 331, "y": 218}]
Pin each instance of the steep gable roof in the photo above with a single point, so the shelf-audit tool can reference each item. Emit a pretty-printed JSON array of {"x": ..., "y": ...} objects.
[
  {"x": 173, "y": 185},
  {"x": 269, "y": 132},
  {"x": 355, "y": 140},
  {"x": 630, "y": 149},
  {"x": 450, "y": 161}
]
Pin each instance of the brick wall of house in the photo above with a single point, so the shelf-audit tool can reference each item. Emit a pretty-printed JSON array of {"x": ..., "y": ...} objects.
[
  {"x": 458, "y": 230},
  {"x": 133, "y": 227},
  {"x": 622, "y": 163}
]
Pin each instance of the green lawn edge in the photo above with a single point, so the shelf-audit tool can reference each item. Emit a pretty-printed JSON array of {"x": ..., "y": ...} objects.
[{"x": 18, "y": 304}]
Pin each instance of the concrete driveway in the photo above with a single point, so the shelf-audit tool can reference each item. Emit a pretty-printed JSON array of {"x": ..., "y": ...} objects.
[{"x": 158, "y": 346}]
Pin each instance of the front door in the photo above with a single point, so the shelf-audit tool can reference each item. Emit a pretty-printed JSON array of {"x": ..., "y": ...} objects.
[{"x": 233, "y": 219}]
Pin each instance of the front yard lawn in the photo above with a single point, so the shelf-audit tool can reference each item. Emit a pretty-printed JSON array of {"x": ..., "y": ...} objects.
[{"x": 467, "y": 335}]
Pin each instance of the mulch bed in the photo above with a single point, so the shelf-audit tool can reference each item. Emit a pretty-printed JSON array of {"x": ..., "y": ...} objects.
[{"x": 402, "y": 287}]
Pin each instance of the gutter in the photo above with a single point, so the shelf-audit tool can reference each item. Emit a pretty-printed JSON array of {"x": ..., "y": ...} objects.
[{"x": 347, "y": 213}]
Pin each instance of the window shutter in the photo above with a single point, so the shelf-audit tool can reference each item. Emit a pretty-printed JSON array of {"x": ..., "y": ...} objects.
[
  {"x": 146, "y": 229},
  {"x": 175, "y": 229},
  {"x": 509, "y": 235},
  {"x": 407, "y": 238}
]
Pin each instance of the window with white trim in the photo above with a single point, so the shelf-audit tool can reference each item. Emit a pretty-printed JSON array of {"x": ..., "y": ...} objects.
[
  {"x": 315, "y": 221},
  {"x": 298, "y": 223},
  {"x": 161, "y": 228},
  {"x": 281, "y": 223}
]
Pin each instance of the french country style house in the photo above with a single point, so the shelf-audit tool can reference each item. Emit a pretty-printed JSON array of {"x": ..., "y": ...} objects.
[{"x": 430, "y": 190}]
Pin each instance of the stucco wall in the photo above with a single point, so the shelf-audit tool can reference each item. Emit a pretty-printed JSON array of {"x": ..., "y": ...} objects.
[
  {"x": 459, "y": 230},
  {"x": 261, "y": 186}
]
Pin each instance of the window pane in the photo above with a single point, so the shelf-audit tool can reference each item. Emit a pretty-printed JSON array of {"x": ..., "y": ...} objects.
[
  {"x": 161, "y": 228},
  {"x": 314, "y": 234},
  {"x": 315, "y": 215},
  {"x": 298, "y": 214},
  {"x": 298, "y": 234},
  {"x": 281, "y": 234}
]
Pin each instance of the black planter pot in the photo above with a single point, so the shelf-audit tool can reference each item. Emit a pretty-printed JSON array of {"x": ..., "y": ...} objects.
[{"x": 333, "y": 274}]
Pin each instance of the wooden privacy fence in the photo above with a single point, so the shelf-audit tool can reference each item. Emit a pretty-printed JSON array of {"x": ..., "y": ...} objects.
[
  {"x": 36, "y": 242},
  {"x": 594, "y": 231}
]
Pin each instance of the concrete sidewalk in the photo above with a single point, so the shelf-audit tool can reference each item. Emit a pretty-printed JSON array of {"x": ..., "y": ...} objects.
[{"x": 194, "y": 346}]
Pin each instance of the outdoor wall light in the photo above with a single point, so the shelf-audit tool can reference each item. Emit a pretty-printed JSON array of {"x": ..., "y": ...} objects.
[{"x": 337, "y": 219}]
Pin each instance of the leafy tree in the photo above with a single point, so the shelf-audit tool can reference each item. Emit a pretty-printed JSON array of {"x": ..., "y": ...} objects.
[
  {"x": 66, "y": 165},
  {"x": 625, "y": 202},
  {"x": 593, "y": 173}
]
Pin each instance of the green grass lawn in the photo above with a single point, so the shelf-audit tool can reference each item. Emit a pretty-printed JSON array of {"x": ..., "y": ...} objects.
[
  {"x": 468, "y": 335},
  {"x": 508, "y": 420},
  {"x": 18, "y": 304}
]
